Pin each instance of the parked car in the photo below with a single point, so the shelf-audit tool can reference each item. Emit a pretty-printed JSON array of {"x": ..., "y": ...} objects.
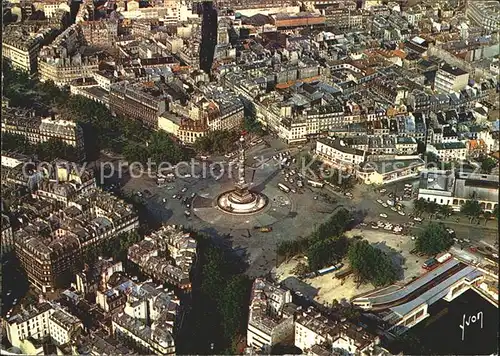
[
  {"x": 402, "y": 213},
  {"x": 184, "y": 190},
  {"x": 383, "y": 215}
]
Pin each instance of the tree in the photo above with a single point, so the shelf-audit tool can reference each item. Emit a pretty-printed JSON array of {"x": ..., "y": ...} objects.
[
  {"x": 487, "y": 216},
  {"x": 419, "y": 206},
  {"x": 433, "y": 239},
  {"x": 345, "y": 182},
  {"x": 300, "y": 269},
  {"x": 472, "y": 209},
  {"x": 488, "y": 164},
  {"x": 431, "y": 208},
  {"x": 217, "y": 142},
  {"x": 323, "y": 253},
  {"x": 371, "y": 264},
  {"x": 445, "y": 210}
]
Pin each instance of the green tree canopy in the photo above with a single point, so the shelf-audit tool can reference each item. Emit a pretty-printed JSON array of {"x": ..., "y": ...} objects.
[
  {"x": 217, "y": 142},
  {"x": 471, "y": 208},
  {"x": 371, "y": 264},
  {"x": 433, "y": 239},
  {"x": 488, "y": 164}
]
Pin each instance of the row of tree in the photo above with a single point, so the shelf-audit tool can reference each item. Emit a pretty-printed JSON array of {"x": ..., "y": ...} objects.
[
  {"x": 45, "y": 151},
  {"x": 217, "y": 142},
  {"x": 220, "y": 299},
  {"x": 326, "y": 245},
  {"x": 421, "y": 206}
]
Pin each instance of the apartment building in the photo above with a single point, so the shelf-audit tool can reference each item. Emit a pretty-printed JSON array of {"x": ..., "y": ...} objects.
[
  {"x": 101, "y": 33},
  {"x": 271, "y": 316},
  {"x": 67, "y": 59},
  {"x": 312, "y": 329},
  {"x": 68, "y": 132},
  {"x": 340, "y": 154},
  {"x": 31, "y": 323},
  {"x": 449, "y": 151},
  {"x": 36, "y": 129},
  {"x": 455, "y": 188},
  {"x": 20, "y": 48},
  {"x": 27, "y": 328},
  {"x": 148, "y": 318},
  {"x": 144, "y": 102},
  {"x": 485, "y": 13},
  {"x": 148, "y": 255},
  {"x": 52, "y": 7},
  {"x": 450, "y": 79},
  {"x": 50, "y": 248},
  {"x": 97, "y": 275},
  {"x": 63, "y": 327}
]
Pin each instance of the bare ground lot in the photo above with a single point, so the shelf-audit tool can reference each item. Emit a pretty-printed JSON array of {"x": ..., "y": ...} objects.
[{"x": 324, "y": 289}]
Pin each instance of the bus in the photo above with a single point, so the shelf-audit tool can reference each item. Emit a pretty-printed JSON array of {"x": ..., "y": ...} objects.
[
  {"x": 283, "y": 187},
  {"x": 329, "y": 269},
  {"x": 315, "y": 184}
]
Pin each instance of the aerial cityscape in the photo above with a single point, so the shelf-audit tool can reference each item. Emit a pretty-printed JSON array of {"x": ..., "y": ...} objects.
[{"x": 259, "y": 177}]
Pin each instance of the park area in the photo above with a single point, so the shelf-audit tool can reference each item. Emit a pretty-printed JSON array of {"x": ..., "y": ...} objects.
[{"x": 327, "y": 287}]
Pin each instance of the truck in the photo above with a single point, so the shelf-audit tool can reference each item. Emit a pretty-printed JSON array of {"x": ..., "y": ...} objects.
[
  {"x": 326, "y": 270},
  {"x": 283, "y": 187},
  {"x": 342, "y": 274},
  {"x": 315, "y": 184},
  {"x": 443, "y": 257},
  {"x": 430, "y": 264}
]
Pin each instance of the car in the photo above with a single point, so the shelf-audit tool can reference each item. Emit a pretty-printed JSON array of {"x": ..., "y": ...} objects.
[
  {"x": 383, "y": 215},
  {"x": 383, "y": 190},
  {"x": 408, "y": 185},
  {"x": 188, "y": 205},
  {"x": 193, "y": 195},
  {"x": 385, "y": 205},
  {"x": 291, "y": 180},
  {"x": 187, "y": 213},
  {"x": 164, "y": 200},
  {"x": 393, "y": 208},
  {"x": 15, "y": 301},
  {"x": 293, "y": 191},
  {"x": 174, "y": 196},
  {"x": 380, "y": 201},
  {"x": 315, "y": 197},
  {"x": 362, "y": 224},
  {"x": 187, "y": 175},
  {"x": 9, "y": 293},
  {"x": 170, "y": 187},
  {"x": 374, "y": 226},
  {"x": 413, "y": 238},
  {"x": 184, "y": 190},
  {"x": 402, "y": 213},
  {"x": 417, "y": 219},
  {"x": 139, "y": 194},
  {"x": 292, "y": 172},
  {"x": 456, "y": 240},
  {"x": 467, "y": 240}
]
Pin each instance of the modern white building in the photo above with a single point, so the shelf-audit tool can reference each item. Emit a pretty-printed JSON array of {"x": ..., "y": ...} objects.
[
  {"x": 270, "y": 319},
  {"x": 454, "y": 189},
  {"x": 450, "y": 79},
  {"x": 39, "y": 322}
]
